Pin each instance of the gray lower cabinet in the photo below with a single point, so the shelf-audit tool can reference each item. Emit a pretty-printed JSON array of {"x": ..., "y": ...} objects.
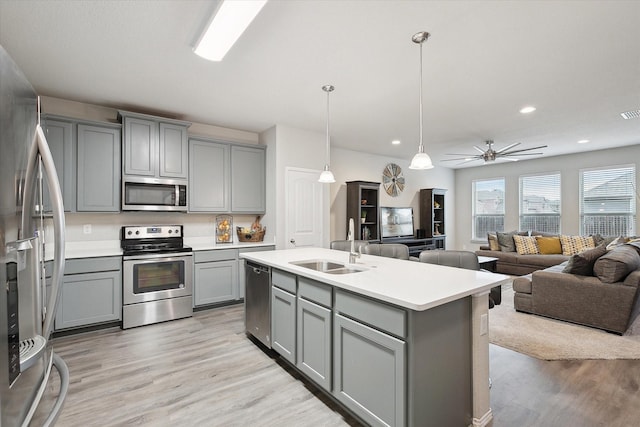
[
  {"x": 314, "y": 342},
  {"x": 98, "y": 169},
  {"x": 215, "y": 277},
  {"x": 283, "y": 323},
  {"x": 91, "y": 292},
  {"x": 373, "y": 386}
]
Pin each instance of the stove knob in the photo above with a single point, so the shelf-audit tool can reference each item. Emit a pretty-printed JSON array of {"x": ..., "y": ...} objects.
[
  {"x": 170, "y": 231},
  {"x": 129, "y": 232},
  {"x": 137, "y": 231}
]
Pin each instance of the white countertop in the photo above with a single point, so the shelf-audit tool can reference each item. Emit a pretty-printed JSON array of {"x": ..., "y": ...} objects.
[
  {"x": 101, "y": 248},
  {"x": 409, "y": 284}
]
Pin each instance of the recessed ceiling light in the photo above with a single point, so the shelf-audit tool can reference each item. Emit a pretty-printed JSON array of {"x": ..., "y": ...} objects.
[
  {"x": 527, "y": 110},
  {"x": 226, "y": 26},
  {"x": 396, "y": 142},
  {"x": 583, "y": 141}
]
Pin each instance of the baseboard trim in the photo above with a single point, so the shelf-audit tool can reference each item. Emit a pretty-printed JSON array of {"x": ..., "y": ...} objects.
[{"x": 484, "y": 420}]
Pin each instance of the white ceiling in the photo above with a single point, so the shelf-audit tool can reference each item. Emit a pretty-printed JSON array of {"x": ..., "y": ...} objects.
[{"x": 578, "y": 62}]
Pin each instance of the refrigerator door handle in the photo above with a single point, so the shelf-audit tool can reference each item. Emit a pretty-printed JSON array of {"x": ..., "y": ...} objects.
[{"x": 40, "y": 147}]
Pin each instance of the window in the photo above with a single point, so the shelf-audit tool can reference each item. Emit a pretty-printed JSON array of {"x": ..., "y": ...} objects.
[
  {"x": 540, "y": 203},
  {"x": 608, "y": 201},
  {"x": 488, "y": 207}
]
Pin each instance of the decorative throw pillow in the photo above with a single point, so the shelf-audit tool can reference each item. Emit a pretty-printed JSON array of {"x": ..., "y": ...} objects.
[
  {"x": 506, "y": 241},
  {"x": 549, "y": 245},
  {"x": 572, "y": 245},
  {"x": 617, "y": 242},
  {"x": 616, "y": 264},
  {"x": 526, "y": 245},
  {"x": 582, "y": 263},
  {"x": 493, "y": 242}
]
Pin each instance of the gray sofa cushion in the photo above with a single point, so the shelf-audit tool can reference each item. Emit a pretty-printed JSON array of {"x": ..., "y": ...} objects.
[
  {"x": 583, "y": 262},
  {"x": 617, "y": 264},
  {"x": 505, "y": 240}
]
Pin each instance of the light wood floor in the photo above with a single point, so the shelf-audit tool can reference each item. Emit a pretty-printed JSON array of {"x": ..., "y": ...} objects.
[{"x": 203, "y": 371}]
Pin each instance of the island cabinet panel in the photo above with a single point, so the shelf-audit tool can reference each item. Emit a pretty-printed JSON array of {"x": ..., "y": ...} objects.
[
  {"x": 283, "y": 323},
  {"x": 91, "y": 293},
  {"x": 369, "y": 372},
  {"x": 209, "y": 176},
  {"x": 98, "y": 169},
  {"x": 314, "y": 331}
]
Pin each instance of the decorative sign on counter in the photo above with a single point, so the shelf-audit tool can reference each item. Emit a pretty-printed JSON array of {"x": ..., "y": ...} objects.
[{"x": 224, "y": 227}]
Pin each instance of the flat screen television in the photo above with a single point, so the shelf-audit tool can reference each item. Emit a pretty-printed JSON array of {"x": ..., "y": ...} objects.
[{"x": 396, "y": 222}]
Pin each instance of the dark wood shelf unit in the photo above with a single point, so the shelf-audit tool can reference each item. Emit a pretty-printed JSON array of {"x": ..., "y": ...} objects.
[
  {"x": 432, "y": 215},
  {"x": 417, "y": 245},
  {"x": 357, "y": 192}
]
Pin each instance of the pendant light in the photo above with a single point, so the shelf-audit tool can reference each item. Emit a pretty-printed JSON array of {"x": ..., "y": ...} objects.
[
  {"x": 422, "y": 159},
  {"x": 326, "y": 176}
]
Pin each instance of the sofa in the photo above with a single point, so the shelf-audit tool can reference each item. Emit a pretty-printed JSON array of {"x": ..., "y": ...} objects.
[
  {"x": 534, "y": 250},
  {"x": 604, "y": 295}
]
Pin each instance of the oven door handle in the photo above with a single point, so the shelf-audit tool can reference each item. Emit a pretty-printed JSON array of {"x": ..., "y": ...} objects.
[{"x": 171, "y": 255}]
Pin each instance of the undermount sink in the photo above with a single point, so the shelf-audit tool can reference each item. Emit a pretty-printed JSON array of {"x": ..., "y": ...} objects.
[{"x": 329, "y": 267}]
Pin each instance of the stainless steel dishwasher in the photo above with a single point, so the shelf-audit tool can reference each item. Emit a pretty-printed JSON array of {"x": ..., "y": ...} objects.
[{"x": 257, "y": 302}]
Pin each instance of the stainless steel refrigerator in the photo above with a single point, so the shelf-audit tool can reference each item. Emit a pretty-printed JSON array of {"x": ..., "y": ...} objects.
[{"x": 27, "y": 308}]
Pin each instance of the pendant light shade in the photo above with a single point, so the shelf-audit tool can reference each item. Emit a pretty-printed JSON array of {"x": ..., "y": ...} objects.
[
  {"x": 421, "y": 160},
  {"x": 327, "y": 176}
]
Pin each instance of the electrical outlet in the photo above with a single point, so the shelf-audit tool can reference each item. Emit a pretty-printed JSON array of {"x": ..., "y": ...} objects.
[{"x": 86, "y": 229}]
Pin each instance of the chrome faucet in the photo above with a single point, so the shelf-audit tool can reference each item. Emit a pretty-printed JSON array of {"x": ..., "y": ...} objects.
[{"x": 353, "y": 255}]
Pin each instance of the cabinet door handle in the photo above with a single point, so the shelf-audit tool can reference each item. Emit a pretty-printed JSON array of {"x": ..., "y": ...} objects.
[{"x": 293, "y": 242}]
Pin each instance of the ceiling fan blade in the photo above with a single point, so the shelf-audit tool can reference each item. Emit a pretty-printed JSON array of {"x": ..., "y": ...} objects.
[
  {"x": 508, "y": 147},
  {"x": 479, "y": 149},
  {"x": 521, "y": 154},
  {"x": 523, "y": 149}
]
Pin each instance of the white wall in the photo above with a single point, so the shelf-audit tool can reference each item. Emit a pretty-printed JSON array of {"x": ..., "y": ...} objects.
[
  {"x": 569, "y": 167},
  {"x": 290, "y": 147},
  {"x": 348, "y": 165}
]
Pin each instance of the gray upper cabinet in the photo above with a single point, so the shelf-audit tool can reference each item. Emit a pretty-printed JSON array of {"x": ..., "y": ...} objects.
[
  {"x": 208, "y": 176},
  {"x": 226, "y": 178},
  {"x": 247, "y": 179},
  {"x": 61, "y": 139},
  {"x": 98, "y": 168},
  {"x": 154, "y": 147}
]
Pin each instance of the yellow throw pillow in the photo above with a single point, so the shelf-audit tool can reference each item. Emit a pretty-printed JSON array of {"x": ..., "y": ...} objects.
[
  {"x": 493, "y": 242},
  {"x": 526, "y": 245},
  {"x": 572, "y": 245},
  {"x": 549, "y": 245}
]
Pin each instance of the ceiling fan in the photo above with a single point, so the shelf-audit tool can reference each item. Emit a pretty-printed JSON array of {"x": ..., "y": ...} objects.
[{"x": 489, "y": 155}]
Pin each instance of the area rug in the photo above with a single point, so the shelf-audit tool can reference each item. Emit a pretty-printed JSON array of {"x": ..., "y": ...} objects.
[{"x": 550, "y": 339}]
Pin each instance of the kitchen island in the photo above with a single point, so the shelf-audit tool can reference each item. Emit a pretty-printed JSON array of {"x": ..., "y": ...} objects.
[{"x": 395, "y": 342}]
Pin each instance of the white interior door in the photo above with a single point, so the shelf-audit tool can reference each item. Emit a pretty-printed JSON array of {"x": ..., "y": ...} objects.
[{"x": 305, "y": 208}]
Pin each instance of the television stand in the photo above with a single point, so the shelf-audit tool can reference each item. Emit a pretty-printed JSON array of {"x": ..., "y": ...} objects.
[{"x": 418, "y": 245}]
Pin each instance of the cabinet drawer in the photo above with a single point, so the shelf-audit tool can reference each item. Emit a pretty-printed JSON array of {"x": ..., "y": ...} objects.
[
  {"x": 314, "y": 291},
  {"x": 256, "y": 249},
  {"x": 283, "y": 280},
  {"x": 90, "y": 265},
  {"x": 215, "y": 255},
  {"x": 381, "y": 316}
]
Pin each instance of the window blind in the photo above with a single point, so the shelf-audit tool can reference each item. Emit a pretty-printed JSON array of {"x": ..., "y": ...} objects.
[
  {"x": 540, "y": 203},
  {"x": 488, "y": 207}
]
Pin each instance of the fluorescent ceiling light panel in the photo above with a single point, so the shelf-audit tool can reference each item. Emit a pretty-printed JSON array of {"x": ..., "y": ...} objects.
[{"x": 226, "y": 27}]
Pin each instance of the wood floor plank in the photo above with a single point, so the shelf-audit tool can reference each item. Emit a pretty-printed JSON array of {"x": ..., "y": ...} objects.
[{"x": 204, "y": 371}]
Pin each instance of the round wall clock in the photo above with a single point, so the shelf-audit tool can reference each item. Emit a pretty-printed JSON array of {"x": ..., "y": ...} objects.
[{"x": 392, "y": 179}]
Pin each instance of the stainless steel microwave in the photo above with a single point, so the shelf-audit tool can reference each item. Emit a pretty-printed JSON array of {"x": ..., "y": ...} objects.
[{"x": 152, "y": 194}]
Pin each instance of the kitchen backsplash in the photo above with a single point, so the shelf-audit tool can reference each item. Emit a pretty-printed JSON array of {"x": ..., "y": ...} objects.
[{"x": 99, "y": 227}]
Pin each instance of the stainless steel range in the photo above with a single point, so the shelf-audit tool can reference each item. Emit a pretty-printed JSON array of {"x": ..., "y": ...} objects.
[{"x": 157, "y": 275}]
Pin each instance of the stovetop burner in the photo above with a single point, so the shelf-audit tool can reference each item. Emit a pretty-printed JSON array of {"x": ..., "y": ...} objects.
[{"x": 135, "y": 240}]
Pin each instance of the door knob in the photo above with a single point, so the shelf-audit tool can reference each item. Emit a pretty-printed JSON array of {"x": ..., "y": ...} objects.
[{"x": 293, "y": 242}]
